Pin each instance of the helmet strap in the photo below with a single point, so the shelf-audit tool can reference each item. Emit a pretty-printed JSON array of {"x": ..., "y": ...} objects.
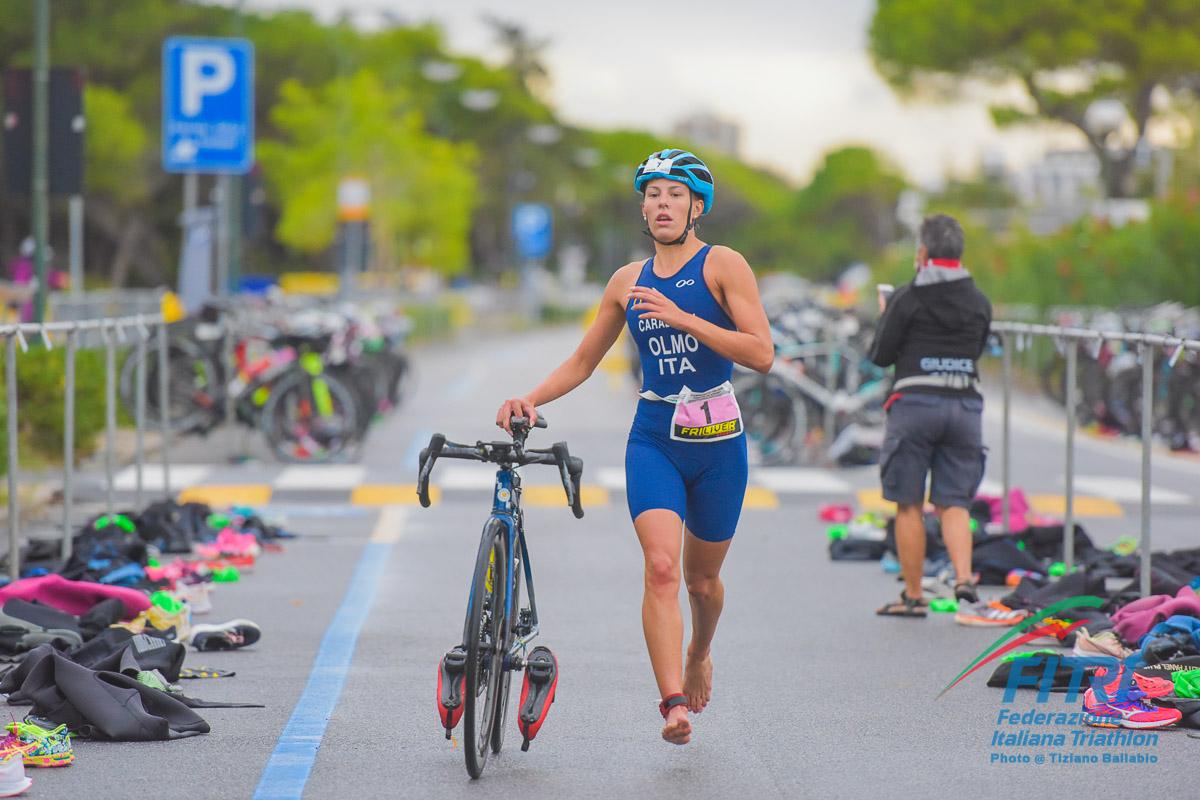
[{"x": 682, "y": 237}]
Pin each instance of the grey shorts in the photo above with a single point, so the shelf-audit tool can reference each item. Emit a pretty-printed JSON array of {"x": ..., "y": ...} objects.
[{"x": 935, "y": 433}]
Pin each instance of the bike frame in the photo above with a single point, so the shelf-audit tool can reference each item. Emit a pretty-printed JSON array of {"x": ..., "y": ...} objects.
[{"x": 506, "y": 509}]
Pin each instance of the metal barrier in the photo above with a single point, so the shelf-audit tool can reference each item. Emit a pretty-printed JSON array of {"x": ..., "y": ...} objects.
[
  {"x": 110, "y": 330},
  {"x": 1017, "y": 332}
]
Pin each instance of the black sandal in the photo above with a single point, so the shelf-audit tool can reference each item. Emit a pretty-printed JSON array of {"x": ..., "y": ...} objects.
[
  {"x": 965, "y": 592},
  {"x": 904, "y": 607}
]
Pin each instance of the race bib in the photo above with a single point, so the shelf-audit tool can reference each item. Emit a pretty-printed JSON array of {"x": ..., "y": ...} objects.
[{"x": 706, "y": 417}]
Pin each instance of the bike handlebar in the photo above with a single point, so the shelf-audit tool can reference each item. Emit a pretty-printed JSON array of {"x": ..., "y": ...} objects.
[{"x": 570, "y": 468}]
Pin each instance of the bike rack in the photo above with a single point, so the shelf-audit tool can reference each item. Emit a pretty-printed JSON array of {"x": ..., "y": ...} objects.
[
  {"x": 110, "y": 330},
  {"x": 1073, "y": 338}
]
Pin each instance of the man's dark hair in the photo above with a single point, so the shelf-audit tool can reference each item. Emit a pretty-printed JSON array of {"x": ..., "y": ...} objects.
[{"x": 942, "y": 236}]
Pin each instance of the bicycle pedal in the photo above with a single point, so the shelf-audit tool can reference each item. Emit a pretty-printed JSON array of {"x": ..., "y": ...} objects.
[
  {"x": 537, "y": 692},
  {"x": 452, "y": 674}
]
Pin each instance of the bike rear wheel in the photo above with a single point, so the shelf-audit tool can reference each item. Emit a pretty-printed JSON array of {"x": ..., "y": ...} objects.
[{"x": 484, "y": 637}]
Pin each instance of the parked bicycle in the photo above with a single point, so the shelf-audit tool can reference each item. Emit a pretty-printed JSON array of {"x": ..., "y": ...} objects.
[{"x": 474, "y": 677}]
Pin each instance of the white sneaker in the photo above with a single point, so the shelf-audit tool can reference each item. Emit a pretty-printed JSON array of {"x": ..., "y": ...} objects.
[
  {"x": 196, "y": 596},
  {"x": 1104, "y": 643},
  {"x": 12, "y": 776}
]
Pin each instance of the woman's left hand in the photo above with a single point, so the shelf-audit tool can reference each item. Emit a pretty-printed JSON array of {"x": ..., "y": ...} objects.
[{"x": 653, "y": 304}]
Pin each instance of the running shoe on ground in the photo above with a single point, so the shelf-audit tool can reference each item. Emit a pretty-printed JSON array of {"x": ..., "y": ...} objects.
[
  {"x": 1148, "y": 683},
  {"x": 1104, "y": 643},
  {"x": 989, "y": 615},
  {"x": 1055, "y": 630},
  {"x": 232, "y": 635},
  {"x": 1129, "y": 713},
  {"x": 47, "y": 748}
]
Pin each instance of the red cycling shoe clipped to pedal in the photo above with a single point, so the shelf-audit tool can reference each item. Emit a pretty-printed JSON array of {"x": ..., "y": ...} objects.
[
  {"x": 452, "y": 673},
  {"x": 537, "y": 692}
]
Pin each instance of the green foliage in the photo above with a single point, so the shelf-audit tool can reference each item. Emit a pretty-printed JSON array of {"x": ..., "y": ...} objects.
[
  {"x": 116, "y": 146},
  {"x": 1089, "y": 263},
  {"x": 422, "y": 187},
  {"x": 40, "y": 392},
  {"x": 1065, "y": 53}
]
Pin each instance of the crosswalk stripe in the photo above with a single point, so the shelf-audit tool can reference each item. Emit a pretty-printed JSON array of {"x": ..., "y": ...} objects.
[
  {"x": 246, "y": 494},
  {"x": 758, "y": 497},
  {"x": 1127, "y": 490},
  {"x": 385, "y": 494},
  {"x": 589, "y": 495},
  {"x": 152, "y": 476},
  {"x": 872, "y": 500},
  {"x": 321, "y": 476},
  {"x": 458, "y": 477},
  {"x": 1083, "y": 506},
  {"x": 800, "y": 481},
  {"x": 612, "y": 478}
]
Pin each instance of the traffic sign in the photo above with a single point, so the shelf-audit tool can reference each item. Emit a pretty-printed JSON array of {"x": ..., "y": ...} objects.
[
  {"x": 208, "y": 105},
  {"x": 532, "y": 230}
]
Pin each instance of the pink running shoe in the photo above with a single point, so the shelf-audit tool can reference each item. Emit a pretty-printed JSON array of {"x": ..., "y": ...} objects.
[{"x": 1130, "y": 713}]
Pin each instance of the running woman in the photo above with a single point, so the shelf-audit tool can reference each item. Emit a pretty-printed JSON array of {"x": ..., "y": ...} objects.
[{"x": 693, "y": 310}]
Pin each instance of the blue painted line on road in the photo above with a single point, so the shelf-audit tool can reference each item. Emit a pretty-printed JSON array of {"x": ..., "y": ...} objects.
[
  {"x": 461, "y": 386},
  {"x": 292, "y": 761}
]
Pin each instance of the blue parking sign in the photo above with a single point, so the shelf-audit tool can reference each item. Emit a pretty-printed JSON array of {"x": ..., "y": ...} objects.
[
  {"x": 208, "y": 105},
  {"x": 532, "y": 229}
]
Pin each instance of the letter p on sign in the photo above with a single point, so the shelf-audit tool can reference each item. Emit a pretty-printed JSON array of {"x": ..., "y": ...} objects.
[{"x": 205, "y": 71}]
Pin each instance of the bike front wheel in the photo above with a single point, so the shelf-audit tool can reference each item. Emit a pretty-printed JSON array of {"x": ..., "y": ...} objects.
[{"x": 485, "y": 634}]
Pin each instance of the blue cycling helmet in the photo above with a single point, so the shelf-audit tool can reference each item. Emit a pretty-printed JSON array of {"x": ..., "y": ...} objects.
[{"x": 677, "y": 165}]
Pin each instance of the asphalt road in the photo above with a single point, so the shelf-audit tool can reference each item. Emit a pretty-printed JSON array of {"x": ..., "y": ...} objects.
[{"x": 814, "y": 695}]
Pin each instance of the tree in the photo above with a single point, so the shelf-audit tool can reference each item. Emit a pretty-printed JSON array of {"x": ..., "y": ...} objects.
[
  {"x": 1066, "y": 55},
  {"x": 422, "y": 187}
]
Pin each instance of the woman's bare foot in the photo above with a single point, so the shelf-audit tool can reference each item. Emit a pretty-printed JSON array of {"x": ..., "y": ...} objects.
[
  {"x": 678, "y": 729},
  {"x": 697, "y": 681}
]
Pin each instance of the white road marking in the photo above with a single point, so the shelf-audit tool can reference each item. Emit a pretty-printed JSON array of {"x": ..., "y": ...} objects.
[
  {"x": 800, "y": 481},
  {"x": 321, "y": 476},
  {"x": 611, "y": 478},
  {"x": 182, "y": 475},
  {"x": 1127, "y": 490},
  {"x": 462, "y": 477},
  {"x": 390, "y": 525}
]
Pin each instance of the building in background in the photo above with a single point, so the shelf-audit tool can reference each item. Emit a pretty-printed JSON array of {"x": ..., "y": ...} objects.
[{"x": 708, "y": 132}]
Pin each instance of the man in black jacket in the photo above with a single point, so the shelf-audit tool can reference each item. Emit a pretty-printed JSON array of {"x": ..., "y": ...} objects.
[{"x": 933, "y": 330}]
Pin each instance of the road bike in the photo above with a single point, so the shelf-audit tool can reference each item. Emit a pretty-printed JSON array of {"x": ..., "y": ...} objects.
[{"x": 474, "y": 677}]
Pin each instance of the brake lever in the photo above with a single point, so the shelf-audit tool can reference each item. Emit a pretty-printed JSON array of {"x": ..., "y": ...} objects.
[
  {"x": 575, "y": 468},
  {"x": 429, "y": 456}
]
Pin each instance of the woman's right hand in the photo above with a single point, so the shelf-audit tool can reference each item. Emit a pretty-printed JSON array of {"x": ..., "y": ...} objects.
[{"x": 516, "y": 407}]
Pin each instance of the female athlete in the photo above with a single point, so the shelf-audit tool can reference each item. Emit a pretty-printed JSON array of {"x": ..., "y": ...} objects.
[{"x": 693, "y": 309}]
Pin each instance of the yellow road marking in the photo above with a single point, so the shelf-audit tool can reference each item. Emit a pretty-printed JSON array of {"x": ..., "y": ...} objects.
[
  {"x": 872, "y": 500},
  {"x": 555, "y": 496},
  {"x": 390, "y": 494},
  {"x": 1084, "y": 506},
  {"x": 758, "y": 497},
  {"x": 390, "y": 525},
  {"x": 249, "y": 494}
]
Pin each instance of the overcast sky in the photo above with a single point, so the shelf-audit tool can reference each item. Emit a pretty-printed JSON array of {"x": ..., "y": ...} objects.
[{"x": 795, "y": 75}]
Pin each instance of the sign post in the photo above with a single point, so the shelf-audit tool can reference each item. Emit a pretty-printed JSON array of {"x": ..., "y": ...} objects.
[
  {"x": 533, "y": 235},
  {"x": 208, "y": 115}
]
